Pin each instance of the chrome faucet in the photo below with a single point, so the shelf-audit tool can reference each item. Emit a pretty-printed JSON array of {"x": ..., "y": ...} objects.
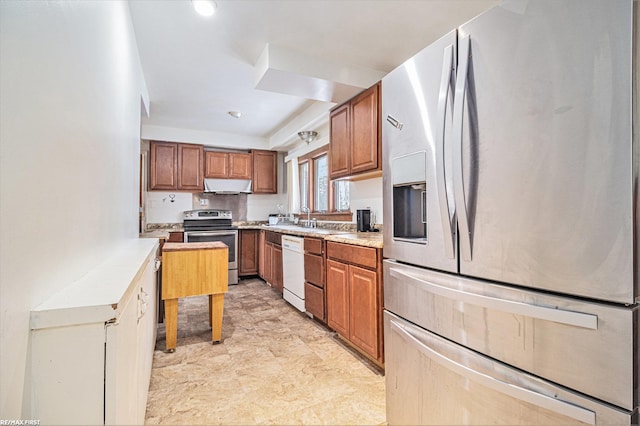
[{"x": 308, "y": 211}]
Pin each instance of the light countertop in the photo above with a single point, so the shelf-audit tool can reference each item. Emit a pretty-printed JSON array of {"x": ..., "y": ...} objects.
[
  {"x": 161, "y": 234},
  {"x": 367, "y": 239},
  {"x": 346, "y": 235}
]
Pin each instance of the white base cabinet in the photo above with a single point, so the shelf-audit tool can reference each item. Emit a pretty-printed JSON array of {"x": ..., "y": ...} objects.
[{"x": 92, "y": 344}]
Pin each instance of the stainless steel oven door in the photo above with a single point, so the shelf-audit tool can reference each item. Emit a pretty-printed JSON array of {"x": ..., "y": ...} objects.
[{"x": 228, "y": 237}]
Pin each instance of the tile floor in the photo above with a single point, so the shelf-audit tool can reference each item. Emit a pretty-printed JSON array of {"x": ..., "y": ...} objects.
[{"x": 274, "y": 366}]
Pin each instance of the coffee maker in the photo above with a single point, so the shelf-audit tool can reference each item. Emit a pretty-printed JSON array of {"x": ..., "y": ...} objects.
[{"x": 363, "y": 218}]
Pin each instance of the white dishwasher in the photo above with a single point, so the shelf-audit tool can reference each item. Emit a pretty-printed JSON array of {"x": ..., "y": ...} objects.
[{"x": 293, "y": 270}]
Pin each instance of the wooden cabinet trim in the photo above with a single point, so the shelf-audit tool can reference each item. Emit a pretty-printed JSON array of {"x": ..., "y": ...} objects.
[{"x": 363, "y": 256}]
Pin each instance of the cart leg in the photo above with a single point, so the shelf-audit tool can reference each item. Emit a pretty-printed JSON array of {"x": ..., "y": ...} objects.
[
  {"x": 171, "y": 323},
  {"x": 216, "y": 307}
]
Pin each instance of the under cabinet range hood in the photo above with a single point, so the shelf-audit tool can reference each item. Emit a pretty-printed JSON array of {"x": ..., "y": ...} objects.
[{"x": 227, "y": 186}]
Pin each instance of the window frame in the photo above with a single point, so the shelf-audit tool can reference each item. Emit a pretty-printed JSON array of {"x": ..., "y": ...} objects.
[{"x": 332, "y": 214}]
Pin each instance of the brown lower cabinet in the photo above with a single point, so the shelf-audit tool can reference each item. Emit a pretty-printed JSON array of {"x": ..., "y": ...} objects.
[
  {"x": 314, "y": 276},
  {"x": 176, "y": 237},
  {"x": 248, "y": 248},
  {"x": 271, "y": 259},
  {"x": 276, "y": 268},
  {"x": 354, "y": 296},
  {"x": 261, "y": 242}
]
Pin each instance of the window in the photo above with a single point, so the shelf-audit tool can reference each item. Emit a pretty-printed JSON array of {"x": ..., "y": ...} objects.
[
  {"x": 303, "y": 172},
  {"x": 341, "y": 195},
  {"x": 317, "y": 192},
  {"x": 321, "y": 183}
]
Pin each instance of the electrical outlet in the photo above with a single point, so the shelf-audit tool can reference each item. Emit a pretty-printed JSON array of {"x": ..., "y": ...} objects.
[{"x": 204, "y": 202}]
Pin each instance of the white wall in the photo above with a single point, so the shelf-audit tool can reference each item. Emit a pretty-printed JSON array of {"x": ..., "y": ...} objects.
[
  {"x": 259, "y": 206},
  {"x": 202, "y": 137},
  {"x": 365, "y": 194},
  {"x": 71, "y": 87},
  {"x": 159, "y": 207}
]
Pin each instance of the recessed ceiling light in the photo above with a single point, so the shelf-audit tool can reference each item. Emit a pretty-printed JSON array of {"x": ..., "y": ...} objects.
[
  {"x": 204, "y": 7},
  {"x": 235, "y": 114}
]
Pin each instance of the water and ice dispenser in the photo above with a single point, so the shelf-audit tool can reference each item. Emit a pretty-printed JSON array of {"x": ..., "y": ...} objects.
[{"x": 410, "y": 198}]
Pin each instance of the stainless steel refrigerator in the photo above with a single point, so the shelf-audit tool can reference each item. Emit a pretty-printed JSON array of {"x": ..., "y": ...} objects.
[{"x": 510, "y": 177}]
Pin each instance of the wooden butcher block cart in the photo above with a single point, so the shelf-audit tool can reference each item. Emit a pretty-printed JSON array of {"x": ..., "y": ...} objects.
[{"x": 194, "y": 269}]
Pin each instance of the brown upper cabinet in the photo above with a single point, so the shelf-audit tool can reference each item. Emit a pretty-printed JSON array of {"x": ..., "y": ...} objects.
[
  {"x": 162, "y": 166},
  {"x": 176, "y": 166},
  {"x": 228, "y": 165},
  {"x": 355, "y": 146},
  {"x": 265, "y": 172},
  {"x": 183, "y": 167}
]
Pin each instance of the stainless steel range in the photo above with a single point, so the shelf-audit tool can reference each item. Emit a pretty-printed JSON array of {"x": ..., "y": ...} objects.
[{"x": 213, "y": 225}]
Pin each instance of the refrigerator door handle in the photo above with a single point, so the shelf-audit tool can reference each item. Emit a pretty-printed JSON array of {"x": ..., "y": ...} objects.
[
  {"x": 561, "y": 316},
  {"x": 511, "y": 389},
  {"x": 458, "y": 183},
  {"x": 443, "y": 201}
]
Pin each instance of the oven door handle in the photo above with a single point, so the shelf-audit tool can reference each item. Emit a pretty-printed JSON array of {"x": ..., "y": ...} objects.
[{"x": 210, "y": 233}]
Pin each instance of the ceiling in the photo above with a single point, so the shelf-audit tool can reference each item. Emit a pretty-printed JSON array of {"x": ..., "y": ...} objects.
[{"x": 197, "y": 68}]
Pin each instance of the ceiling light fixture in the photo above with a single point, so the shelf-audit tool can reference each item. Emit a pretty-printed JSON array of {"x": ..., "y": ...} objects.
[
  {"x": 307, "y": 136},
  {"x": 235, "y": 114},
  {"x": 204, "y": 7}
]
